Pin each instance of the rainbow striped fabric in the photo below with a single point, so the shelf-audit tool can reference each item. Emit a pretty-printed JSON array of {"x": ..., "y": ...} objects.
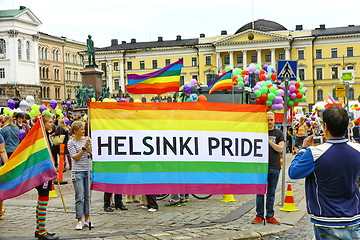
[
  {"x": 29, "y": 166},
  {"x": 224, "y": 82},
  {"x": 195, "y": 147},
  {"x": 164, "y": 80}
]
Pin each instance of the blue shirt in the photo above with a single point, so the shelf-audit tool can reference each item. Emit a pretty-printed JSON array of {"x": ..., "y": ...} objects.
[{"x": 10, "y": 134}]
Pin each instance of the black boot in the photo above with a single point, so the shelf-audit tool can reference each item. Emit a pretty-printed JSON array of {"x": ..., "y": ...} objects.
[
  {"x": 48, "y": 237},
  {"x": 121, "y": 207},
  {"x": 37, "y": 234}
]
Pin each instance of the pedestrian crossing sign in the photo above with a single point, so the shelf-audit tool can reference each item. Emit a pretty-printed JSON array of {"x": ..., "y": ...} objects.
[{"x": 287, "y": 69}]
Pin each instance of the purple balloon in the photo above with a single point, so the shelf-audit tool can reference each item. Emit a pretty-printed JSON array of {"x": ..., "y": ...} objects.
[
  {"x": 265, "y": 67},
  {"x": 293, "y": 96},
  {"x": 22, "y": 134},
  {"x": 277, "y": 100},
  {"x": 313, "y": 118},
  {"x": 11, "y": 104},
  {"x": 280, "y": 92},
  {"x": 187, "y": 88},
  {"x": 292, "y": 83},
  {"x": 67, "y": 121},
  {"x": 122, "y": 100},
  {"x": 292, "y": 88},
  {"x": 68, "y": 103},
  {"x": 53, "y": 104},
  {"x": 42, "y": 108}
]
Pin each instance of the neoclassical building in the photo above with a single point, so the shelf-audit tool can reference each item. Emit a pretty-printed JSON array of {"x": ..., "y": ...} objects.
[{"x": 321, "y": 54}]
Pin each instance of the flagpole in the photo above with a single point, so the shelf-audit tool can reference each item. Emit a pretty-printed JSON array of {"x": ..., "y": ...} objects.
[{"x": 89, "y": 172}]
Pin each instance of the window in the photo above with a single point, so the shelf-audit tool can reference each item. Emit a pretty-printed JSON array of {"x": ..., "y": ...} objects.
[
  {"x": 56, "y": 74},
  {"x": 253, "y": 57},
  {"x": 28, "y": 50},
  {"x": 116, "y": 66},
  {"x": 194, "y": 62},
  {"x": 301, "y": 54},
  {"x": 54, "y": 54},
  {"x": 208, "y": 60},
  {"x": 129, "y": 65},
  {"x": 142, "y": 64},
  {"x": 319, "y": 95},
  {"x": 334, "y": 94},
  {"x": 239, "y": 58},
  {"x": 302, "y": 74},
  {"x": 68, "y": 93},
  {"x": 19, "y": 49},
  {"x": 182, "y": 80},
  {"x": 74, "y": 59},
  {"x": 47, "y": 73},
  {"x": 116, "y": 84},
  {"x": 319, "y": 73},
  {"x": 318, "y": 53},
  {"x": 350, "y": 51},
  {"x": 103, "y": 67},
  {"x": 154, "y": 64},
  {"x": 46, "y": 55},
  {"x": 194, "y": 77},
  {"x": 2, "y": 49},
  {"x": 67, "y": 57},
  {"x": 268, "y": 57},
  {"x": 351, "y": 94},
  {"x": 226, "y": 59},
  {"x": 350, "y": 67},
  {"x": 2, "y": 72},
  {"x": 281, "y": 55},
  {"x": 167, "y": 62},
  {"x": 57, "y": 92},
  {"x": 334, "y": 53},
  {"x": 334, "y": 73}
]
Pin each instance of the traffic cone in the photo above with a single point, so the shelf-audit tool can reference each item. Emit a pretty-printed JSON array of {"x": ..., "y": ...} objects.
[
  {"x": 289, "y": 203},
  {"x": 53, "y": 193},
  {"x": 228, "y": 198}
]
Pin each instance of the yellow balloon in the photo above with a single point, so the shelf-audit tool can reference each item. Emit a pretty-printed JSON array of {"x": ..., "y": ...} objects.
[{"x": 93, "y": 100}]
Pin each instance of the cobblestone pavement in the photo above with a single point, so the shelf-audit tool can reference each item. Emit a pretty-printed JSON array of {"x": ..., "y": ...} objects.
[{"x": 199, "y": 219}]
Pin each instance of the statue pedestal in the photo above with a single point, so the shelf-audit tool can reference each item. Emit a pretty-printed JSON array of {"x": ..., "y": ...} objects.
[{"x": 91, "y": 75}]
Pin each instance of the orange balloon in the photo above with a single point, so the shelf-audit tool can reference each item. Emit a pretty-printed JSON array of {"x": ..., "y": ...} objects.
[{"x": 202, "y": 98}]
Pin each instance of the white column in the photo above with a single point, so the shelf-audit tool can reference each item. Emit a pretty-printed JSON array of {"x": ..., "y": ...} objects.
[
  {"x": 231, "y": 55},
  {"x": 110, "y": 82},
  {"x": 258, "y": 56},
  {"x": 272, "y": 56},
  {"x": 244, "y": 59},
  {"x": 122, "y": 75},
  {"x": 287, "y": 53},
  {"x": 218, "y": 61}
]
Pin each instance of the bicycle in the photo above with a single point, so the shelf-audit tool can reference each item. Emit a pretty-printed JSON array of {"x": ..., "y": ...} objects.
[{"x": 198, "y": 196}]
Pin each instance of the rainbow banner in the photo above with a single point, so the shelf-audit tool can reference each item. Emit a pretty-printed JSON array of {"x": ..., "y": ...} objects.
[
  {"x": 223, "y": 82},
  {"x": 164, "y": 80},
  {"x": 195, "y": 147},
  {"x": 29, "y": 166}
]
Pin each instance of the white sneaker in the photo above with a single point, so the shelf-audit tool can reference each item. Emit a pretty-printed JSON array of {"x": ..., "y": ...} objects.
[
  {"x": 79, "y": 226},
  {"x": 152, "y": 210},
  {"x": 144, "y": 207},
  {"x": 86, "y": 224}
]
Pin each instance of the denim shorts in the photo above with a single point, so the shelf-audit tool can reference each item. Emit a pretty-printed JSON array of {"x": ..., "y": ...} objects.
[{"x": 332, "y": 233}]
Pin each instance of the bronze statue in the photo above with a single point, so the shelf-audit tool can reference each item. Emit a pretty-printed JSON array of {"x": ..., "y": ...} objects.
[
  {"x": 91, "y": 51},
  {"x": 91, "y": 92},
  {"x": 83, "y": 96},
  {"x": 105, "y": 92}
]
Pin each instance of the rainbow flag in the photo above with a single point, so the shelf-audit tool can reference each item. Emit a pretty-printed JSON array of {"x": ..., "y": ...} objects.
[
  {"x": 29, "y": 166},
  {"x": 164, "y": 80},
  {"x": 223, "y": 82},
  {"x": 194, "y": 147}
]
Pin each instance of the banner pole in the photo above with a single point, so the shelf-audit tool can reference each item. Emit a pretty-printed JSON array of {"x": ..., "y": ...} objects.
[
  {"x": 89, "y": 172},
  {"x": 62, "y": 197}
]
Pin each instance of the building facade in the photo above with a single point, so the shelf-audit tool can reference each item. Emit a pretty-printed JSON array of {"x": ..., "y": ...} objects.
[
  {"x": 19, "y": 55},
  {"x": 321, "y": 54}
]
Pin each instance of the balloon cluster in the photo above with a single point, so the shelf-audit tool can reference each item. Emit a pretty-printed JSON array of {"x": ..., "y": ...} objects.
[
  {"x": 355, "y": 107},
  {"x": 186, "y": 88}
]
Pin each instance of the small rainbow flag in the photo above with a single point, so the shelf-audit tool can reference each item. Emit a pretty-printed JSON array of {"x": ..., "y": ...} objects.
[
  {"x": 164, "y": 80},
  {"x": 191, "y": 147},
  {"x": 223, "y": 82},
  {"x": 29, "y": 166}
]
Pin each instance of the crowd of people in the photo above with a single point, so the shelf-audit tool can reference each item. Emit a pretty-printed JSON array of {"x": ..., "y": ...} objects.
[{"x": 331, "y": 170}]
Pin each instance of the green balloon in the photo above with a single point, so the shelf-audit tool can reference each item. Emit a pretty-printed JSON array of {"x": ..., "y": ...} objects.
[
  {"x": 296, "y": 100},
  {"x": 228, "y": 68},
  {"x": 273, "y": 89},
  {"x": 46, "y": 112},
  {"x": 58, "y": 111},
  {"x": 291, "y": 103},
  {"x": 269, "y": 103},
  {"x": 241, "y": 83},
  {"x": 264, "y": 90},
  {"x": 271, "y": 96},
  {"x": 257, "y": 67},
  {"x": 302, "y": 91},
  {"x": 303, "y": 99},
  {"x": 257, "y": 93},
  {"x": 35, "y": 107},
  {"x": 240, "y": 78},
  {"x": 298, "y": 79},
  {"x": 6, "y": 111}
]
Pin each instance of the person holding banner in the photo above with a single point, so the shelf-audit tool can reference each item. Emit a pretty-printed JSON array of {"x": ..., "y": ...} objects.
[
  {"x": 43, "y": 192},
  {"x": 276, "y": 145},
  {"x": 4, "y": 159},
  {"x": 80, "y": 151}
]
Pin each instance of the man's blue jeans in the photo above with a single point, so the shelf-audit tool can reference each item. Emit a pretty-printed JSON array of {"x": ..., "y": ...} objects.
[
  {"x": 332, "y": 233},
  {"x": 273, "y": 177}
]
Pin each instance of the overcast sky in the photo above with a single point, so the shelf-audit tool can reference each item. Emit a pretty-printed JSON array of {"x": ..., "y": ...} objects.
[{"x": 145, "y": 20}]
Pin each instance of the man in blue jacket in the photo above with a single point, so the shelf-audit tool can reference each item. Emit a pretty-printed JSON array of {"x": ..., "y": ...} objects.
[{"x": 331, "y": 171}]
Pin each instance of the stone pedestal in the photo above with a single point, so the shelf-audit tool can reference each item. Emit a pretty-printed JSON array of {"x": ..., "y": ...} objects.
[{"x": 91, "y": 75}]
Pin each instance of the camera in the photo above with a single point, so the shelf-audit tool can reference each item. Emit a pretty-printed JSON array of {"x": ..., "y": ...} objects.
[{"x": 317, "y": 140}]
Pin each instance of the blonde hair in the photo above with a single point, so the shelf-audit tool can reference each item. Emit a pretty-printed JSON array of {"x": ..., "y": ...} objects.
[
  {"x": 271, "y": 113},
  {"x": 8, "y": 121},
  {"x": 45, "y": 118},
  {"x": 76, "y": 126},
  {"x": 61, "y": 123}
]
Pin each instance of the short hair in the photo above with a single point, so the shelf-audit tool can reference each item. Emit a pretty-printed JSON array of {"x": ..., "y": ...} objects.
[
  {"x": 271, "y": 113},
  {"x": 46, "y": 118},
  {"x": 337, "y": 120},
  {"x": 76, "y": 126}
]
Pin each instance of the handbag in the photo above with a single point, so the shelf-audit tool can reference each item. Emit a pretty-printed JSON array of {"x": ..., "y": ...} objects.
[{"x": 57, "y": 140}]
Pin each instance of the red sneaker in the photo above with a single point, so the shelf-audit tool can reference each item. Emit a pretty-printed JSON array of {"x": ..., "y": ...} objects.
[
  {"x": 257, "y": 220},
  {"x": 273, "y": 221}
]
